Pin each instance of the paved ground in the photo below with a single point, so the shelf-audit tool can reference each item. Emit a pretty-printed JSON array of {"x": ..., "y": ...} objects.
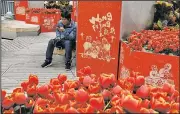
[{"x": 24, "y": 55}]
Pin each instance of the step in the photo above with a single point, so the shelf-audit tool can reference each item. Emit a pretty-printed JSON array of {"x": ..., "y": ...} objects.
[{"x": 11, "y": 29}]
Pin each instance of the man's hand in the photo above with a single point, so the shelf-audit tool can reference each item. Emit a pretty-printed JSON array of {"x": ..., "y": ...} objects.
[{"x": 61, "y": 29}]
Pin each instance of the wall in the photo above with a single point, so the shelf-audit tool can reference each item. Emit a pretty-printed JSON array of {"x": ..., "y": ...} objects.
[
  {"x": 136, "y": 15},
  {"x": 36, "y": 4}
]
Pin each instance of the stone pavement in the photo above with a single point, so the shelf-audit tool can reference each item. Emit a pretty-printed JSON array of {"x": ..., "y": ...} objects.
[{"x": 24, "y": 55}]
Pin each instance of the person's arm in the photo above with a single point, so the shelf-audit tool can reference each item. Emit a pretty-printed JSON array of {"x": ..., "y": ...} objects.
[
  {"x": 58, "y": 33},
  {"x": 71, "y": 33},
  {"x": 59, "y": 24}
]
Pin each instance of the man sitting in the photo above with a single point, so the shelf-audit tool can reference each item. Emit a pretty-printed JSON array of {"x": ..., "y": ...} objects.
[{"x": 65, "y": 37}]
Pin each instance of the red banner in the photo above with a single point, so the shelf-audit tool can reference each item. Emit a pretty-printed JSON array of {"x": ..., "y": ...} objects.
[
  {"x": 98, "y": 35},
  {"x": 58, "y": 15},
  {"x": 74, "y": 13},
  {"x": 35, "y": 18},
  {"x": 158, "y": 69},
  {"x": 28, "y": 16},
  {"x": 20, "y": 9},
  {"x": 49, "y": 22},
  {"x": 46, "y": 18}
]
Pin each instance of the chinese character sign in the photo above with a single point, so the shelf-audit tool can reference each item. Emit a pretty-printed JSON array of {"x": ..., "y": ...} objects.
[{"x": 98, "y": 35}]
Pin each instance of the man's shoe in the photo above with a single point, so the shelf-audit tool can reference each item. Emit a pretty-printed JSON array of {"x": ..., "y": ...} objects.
[
  {"x": 68, "y": 66},
  {"x": 46, "y": 64}
]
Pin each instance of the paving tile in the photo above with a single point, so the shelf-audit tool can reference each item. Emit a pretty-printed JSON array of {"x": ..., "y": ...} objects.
[{"x": 24, "y": 55}]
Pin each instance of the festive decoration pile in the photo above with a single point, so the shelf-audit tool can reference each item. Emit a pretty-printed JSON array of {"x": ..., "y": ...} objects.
[
  {"x": 90, "y": 94},
  {"x": 157, "y": 41}
]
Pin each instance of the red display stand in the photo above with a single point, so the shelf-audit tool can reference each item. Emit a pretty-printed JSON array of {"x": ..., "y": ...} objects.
[
  {"x": 20, "y": 9},
  {"x": 98, "y": 35},
  {"x": 158, "y": 69}
]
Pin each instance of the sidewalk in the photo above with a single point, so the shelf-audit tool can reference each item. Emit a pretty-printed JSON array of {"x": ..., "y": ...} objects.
[{"x": 24, "y": 55}]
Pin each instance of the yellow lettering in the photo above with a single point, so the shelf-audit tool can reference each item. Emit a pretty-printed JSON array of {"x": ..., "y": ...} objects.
[
  {"x": 98, "y": 19},
  {"x": 112, "y": 30},
  {"x": 97, "y": 26},
  {"x": 101, "y": 35},
  {"x": 108, "y": 24},
  {"x": 109, "y": 15},
  {"x": 106, "y": 31},
  {"x": 104, "y": 18},
  {"x": 103, "y": 25},
  {"x": 92, "y": 20},
  {"x": 94, "y": 28}
]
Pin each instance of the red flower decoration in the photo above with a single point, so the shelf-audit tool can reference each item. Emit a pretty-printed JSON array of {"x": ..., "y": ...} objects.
[
  {"x": 19, "y": 98},
  {"x": 131, "y": 104},
  {"x": 7, "y": 102},
  {"x": 139, "y": 81},
  {"x": 143, "y": 91},
  {"x": 43, "y": 90},
  {"x": 94, "y": 87},
  {"x": 62, "y": 78},
  {"x": 82, "y": 96},
  {"x": 72, "y": 110},
  {"x": 3, "y": 94},
  {"x": 106, "y": 80},
  {"x": 97, "y": 101},
  {"x": 87, "y": 81},
  {"x": 31, "y": 90},
  {"x": 33, "y": 79},
  {"x": 24, "y": 85},
  {"x": 61, "y": 98}
]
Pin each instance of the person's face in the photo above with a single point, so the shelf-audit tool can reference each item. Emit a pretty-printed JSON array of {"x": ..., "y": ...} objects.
[
  {"x": 173, "y": 19},
  {"x": 64, "y": 21}
]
